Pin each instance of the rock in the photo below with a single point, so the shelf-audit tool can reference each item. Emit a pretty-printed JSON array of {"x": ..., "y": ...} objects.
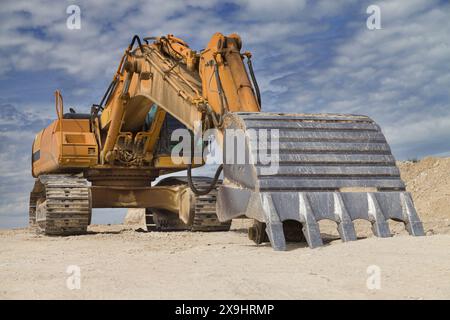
[{"x": 135, "y": 217}]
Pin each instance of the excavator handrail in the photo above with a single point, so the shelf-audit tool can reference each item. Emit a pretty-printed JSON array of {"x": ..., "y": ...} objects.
[{"x": 59, "y": 105}]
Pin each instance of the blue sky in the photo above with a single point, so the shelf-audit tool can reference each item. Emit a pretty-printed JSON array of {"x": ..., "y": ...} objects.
[{"x": 309, "y": 56}]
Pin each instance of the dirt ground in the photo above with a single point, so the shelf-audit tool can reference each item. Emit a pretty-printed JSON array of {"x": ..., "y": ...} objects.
[
  {"x": 429, "y": 183},
  {"x": 119, "y": 262}
]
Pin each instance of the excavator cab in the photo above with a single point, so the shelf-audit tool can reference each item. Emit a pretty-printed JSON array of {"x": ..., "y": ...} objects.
[{"x": 165, "y": 143}]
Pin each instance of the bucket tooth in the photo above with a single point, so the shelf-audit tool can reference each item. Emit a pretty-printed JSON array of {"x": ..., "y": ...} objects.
[
  {"x": 274, "y": 227},
  {"x": 346, "y": 228},
  {"x": 276, "y": 236},
  {"x": 410, "y": 217},
  {"x": 379, "y": 225},
  {"x": 310, "y": 229}
]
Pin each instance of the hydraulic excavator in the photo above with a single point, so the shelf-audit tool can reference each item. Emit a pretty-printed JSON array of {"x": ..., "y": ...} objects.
[{"x": 325, "y": 166}]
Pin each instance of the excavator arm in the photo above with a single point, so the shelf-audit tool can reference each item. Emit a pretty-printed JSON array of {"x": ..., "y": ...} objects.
[{"x": 328, "y": 166}]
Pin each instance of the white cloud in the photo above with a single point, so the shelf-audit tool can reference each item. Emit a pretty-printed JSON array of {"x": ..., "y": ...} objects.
[
  {"x": 398, "y": 75},
  {"x": 269, "y": 9},
  {"x": 108, "y": 25}
]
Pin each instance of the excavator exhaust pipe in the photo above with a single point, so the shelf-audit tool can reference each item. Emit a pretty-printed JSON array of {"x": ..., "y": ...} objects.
[{"x": 329, "y": 166}]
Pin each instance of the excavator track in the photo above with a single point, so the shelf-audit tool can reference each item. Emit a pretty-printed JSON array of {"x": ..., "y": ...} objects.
[
  {"x": 205, "y": 217},
  {"x": 329, "y": 166},
  {"x": 34, "y": 196},
  {"x": 60, "y": 204}
]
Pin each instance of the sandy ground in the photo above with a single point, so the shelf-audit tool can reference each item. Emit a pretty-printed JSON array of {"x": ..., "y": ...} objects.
[
  {"x": 116, "y": 262},
  {"x": 119, "y": 262}
]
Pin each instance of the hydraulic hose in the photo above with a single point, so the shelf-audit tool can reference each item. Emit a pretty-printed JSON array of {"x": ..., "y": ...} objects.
[
  {"x": 189, "y": 175},
  {"x": 107, "y": 93},
  {"x": 220, "y": 168},
  {"x": 149, "y": 38},
  {"x": 114, "y": 81},
  {"x": 255, "y": 83},
  {"x": 220, "y": 89},
  {"x": 135, "y": 38},
  {"x": 210, "y": 187}
]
